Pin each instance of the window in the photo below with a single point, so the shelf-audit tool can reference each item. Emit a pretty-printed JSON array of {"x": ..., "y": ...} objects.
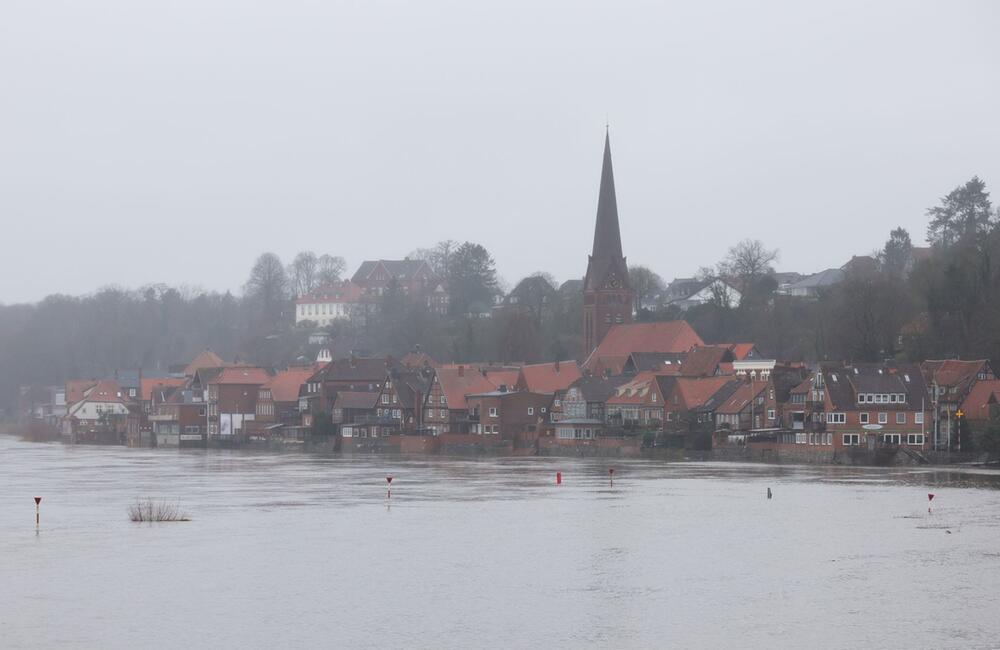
[
  {"x": 863, "y": 418},
  {"x": 900, "y": 417},
  {"x": 914, "y": 438},
  {"x": 531, "y": 410},
  {"x": 442, "y": 413},
  {"x": 770, "y": 414},
  {"x": 770, "y": 394},
  {"x": 385, "y": 398},
  {"x": 891, "y": 438},
  {"x": 394, "y": 398},
  {"x": 918, "y": 418},
  {"x": 192, "y": 428},
  {"x": 442, "y": 401},
  {"x": 883, "y": 417},
  {"x": 836, "y": 418},
  {"x": 493, "y": 411},
  {"x": 396, "y": 413},
  {"x": 852, "y": 439},
  {"x": 544, "y": 409}
]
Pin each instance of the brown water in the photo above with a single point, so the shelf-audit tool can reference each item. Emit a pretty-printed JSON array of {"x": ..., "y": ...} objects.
[{"x": 304, "y": 551}]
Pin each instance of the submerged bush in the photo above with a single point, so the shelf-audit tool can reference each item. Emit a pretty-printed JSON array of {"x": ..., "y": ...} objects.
[{"x": 149, "y": 509}]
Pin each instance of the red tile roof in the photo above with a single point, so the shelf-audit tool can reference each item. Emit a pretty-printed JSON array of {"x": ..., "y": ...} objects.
[
  {"x": 457, "y": 382},
  {"x": 418, "y": 360},
  {"x": 242, "y": 375},
  {"x": 148, "y": 384},
  {"x": 953, "y": 372},
  {"x": 285, "y": 384},
  {"x": 977, "y": 405},
  {"x": 76, "y": 388},
  {"x": 696, "y": 391},
  {"x": 106, "y": 390},
  {"x": 345, "y": 292},
  {"x": 741, "y": 350},
  {"x": 549, "y": 377},
  {"x": 622, "y": 340},
  {"x": 204, "y": 359},
  {"x": 743, "y": 396}
]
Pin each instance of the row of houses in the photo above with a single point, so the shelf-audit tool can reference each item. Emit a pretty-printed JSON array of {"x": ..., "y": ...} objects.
[{"x": 647, "y": 383}]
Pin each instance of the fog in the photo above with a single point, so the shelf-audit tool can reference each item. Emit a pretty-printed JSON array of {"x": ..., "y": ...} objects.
[{"x": 174, "y": 142}]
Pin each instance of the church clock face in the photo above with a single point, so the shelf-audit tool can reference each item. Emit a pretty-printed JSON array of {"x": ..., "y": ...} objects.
[{"x": 613, "y": 282}]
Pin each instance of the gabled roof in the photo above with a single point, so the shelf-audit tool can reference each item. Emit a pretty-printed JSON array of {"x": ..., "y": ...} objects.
[
  {"x": 242, "y": 375},
  {"x": 106, "y": 390},
  {"x": 285, "y": 384},
  {"x": 411, "y": 386},
  {"x": 345, "y": 292},
  {"x": 151, "y": 383},
  {"x": 457, "y": 382},
  {"x": 622, "y": 340},
  {"x": 549, "y": 377},
  {"x": 599, "y": 389},
  {"x": 399, "y": 269},
  {"x": 826, "y": 278},
  {"x": 983, "y": 394},
  {"x": 77, "y": 388},
  {"x": 659, "y": 362},
  {"x": 953, "y": 372},
  {"x": 695, "y": 392},
  {"x": 204, "y": 359},
  {"x": 368, "y": 370},
  {"x": 704, "y": 360},
  {"x": 742, "y": 397}
]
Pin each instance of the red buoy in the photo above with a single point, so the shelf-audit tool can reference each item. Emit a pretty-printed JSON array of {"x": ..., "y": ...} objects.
[{"x": 558, "y": 478}]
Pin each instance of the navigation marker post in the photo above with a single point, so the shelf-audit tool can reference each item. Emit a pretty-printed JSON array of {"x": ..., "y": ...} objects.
[
  {"x": 611, "y": 474},
  {"x": 388, "y": 492},
  {"x": 38, "y": 501},
  {"x": 930, "y": 497}
]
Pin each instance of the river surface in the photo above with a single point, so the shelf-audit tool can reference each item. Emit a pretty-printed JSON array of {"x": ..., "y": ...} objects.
[{"x": 296, "y": 550}]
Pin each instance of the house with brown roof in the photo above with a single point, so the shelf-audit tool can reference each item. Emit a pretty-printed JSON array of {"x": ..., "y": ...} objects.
[
  {"x": 508, "y": 414},
  {"x": 446, "y": 409},
  {"x": 232, "y": 400},
  {"x": 982, "y": 405},
  {"x": 950, "y": 382},
  {"x": 752, "y": 406},
  {"x": 204, "y": 359},
  {"x": 415, "y": 278},
  {"x": 548, "y": 378},
  {"x": 100, "y": 414},
  {"x": 690, "y": 403},
  {"x": 636, "y": 404}
]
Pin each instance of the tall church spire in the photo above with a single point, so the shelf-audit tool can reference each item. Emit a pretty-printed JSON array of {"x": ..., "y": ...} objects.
[
  {"x": 607, "y": 236},
  {"x": 607, "y": 293}
]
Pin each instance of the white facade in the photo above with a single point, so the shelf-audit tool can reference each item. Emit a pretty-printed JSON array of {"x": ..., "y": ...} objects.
[
  {"x": 87, "y": 410},
  {"x": 323, "y": 313}
]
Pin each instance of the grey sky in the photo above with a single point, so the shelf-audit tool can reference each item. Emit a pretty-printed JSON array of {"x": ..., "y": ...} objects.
[{"x": 175, "y": 141}]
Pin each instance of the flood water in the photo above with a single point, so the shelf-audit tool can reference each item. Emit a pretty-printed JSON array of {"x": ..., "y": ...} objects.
[{"x": 295, "y": 550}]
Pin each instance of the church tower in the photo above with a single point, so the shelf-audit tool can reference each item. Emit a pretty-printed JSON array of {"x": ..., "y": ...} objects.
[{"x": 607, "y": 294}]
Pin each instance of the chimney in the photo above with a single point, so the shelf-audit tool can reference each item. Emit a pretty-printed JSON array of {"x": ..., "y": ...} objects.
[{"x": 461, "y": 371}]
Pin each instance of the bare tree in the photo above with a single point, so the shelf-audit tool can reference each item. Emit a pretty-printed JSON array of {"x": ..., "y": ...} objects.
[
  {"x": 329, "y": 269},
  {"x": 748, "y": 260},
  {"x": 303, "y": 273},
  {"x": 646, "y": 285},
  {"x": 438, "y": 256}
]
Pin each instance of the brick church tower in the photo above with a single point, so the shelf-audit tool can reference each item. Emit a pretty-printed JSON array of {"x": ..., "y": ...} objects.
[{"x": 607, "y": 294}]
